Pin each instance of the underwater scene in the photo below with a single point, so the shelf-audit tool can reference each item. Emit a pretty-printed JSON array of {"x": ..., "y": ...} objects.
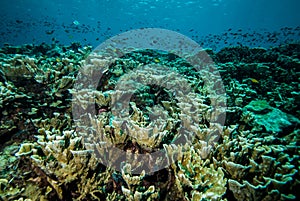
[{"x": 149, "y": 100}]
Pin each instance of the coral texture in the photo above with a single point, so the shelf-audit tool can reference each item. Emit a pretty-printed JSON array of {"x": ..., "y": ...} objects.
[{"x": 50, "y": 152}]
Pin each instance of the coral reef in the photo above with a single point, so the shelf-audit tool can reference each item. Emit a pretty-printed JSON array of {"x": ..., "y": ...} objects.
[{"x": 49, "y": 153}]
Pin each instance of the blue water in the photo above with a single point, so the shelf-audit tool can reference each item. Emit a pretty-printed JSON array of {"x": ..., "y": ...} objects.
[{"x": 206, "y": 21}]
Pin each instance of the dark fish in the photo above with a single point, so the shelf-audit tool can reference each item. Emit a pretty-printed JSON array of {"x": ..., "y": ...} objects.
[{"x": 50, "y": 32}]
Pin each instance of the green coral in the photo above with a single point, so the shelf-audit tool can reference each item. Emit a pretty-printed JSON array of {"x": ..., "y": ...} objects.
[{"x": 262, "y": 115}]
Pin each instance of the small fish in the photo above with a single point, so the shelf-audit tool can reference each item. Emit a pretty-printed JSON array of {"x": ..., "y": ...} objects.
[
  {"x": 156, "y": 60},
  {"x": 75, "y": 22},
  {"x": 49, "y": 32},
  {"x": 253, "y": 80}
]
